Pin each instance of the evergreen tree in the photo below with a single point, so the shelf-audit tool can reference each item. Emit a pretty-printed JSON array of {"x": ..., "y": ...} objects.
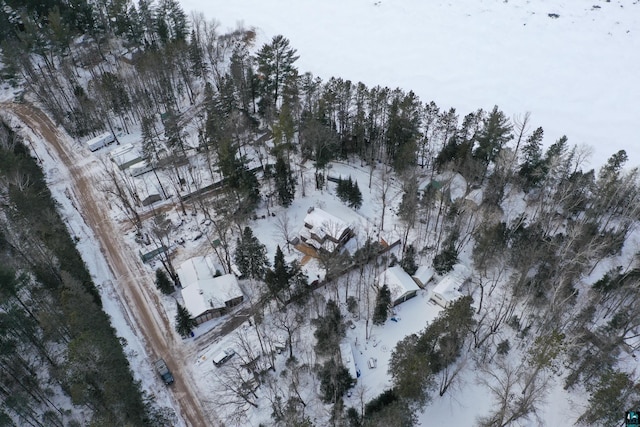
[
  {"x": 335, "y": 380},
  {"x": 277, "y": 279},
  {"x": 284, "y": 131},
  {"x": 383, "y": 301},
  {"x": 285, "y": 182},
  {"x": 241, "y": 181},
  {"x": 610, "y": 397},
  {"x": 419, "y": 357},
  {"x": 184, "y": 322},
  {"x": 146, "y": 12},
  {"x": 610, "y": 172},
  {"x": 251, "y": 255},
  {"x": 446, "y": 259},
  {"x": 495, "y": 133},
  {"x": 532, "y": 169},
  {"x": 349, "y": 193},
  {"x": 171, "y": 21},
  {"x": 342, "y": 189},
  {"x": 388, "y": 409},
  {"x": 408, "y": 261},
  {"x": 330, "y": 329},
  {"x": 275, "y": 67},
  {"x": 403, "y": 129},
  {"x": 355, "y": 196},
  {"x": 115, "y": 93},
  {"x": 163, "y": 282},
  {"x": 195, "y": 55},
  {"x": 408, "y": 208},
  {"x": 299, "y": 284}
]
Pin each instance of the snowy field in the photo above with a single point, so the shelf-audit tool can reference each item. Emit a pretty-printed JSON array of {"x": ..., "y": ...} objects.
[{"x": 576, "y": 74}]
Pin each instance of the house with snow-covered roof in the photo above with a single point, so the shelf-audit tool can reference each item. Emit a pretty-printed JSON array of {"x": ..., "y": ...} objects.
[
  {"x": 206, "y": 295},
  {"x": 323, "y": 230},
  {"x": 447, "y": 291},
  {"x": 401, "y": 286}
]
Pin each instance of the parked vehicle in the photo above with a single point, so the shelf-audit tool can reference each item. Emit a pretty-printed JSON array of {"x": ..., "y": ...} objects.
[
  {"x": 100, "y": 141},
  {"x": 223, "y": 356},
  {"x": 163, "y": 370}
]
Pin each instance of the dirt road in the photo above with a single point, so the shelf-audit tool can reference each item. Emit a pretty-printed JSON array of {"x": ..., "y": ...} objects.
[{"x": 133, "y": 279}]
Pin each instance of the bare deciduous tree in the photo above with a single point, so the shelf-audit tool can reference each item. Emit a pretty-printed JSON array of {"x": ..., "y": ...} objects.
[
  {"x": 385, "y": 190},
  {"x": 285, "y": 228},
  {"x": 518, "y": 393}
]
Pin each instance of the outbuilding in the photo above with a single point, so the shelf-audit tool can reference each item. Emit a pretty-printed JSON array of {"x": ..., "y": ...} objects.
[
  {"x": 447, "y": 291},
  {"x": 423, "y": 275},
  {"x": 100, "y": 141},
  {"x": 125, "y": 156},
  {"x": 400, "y": 284}
]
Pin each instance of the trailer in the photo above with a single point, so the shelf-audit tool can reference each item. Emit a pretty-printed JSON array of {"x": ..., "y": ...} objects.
[{"x": 100, "y": 141}]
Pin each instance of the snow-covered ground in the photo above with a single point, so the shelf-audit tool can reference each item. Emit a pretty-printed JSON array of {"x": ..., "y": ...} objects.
[
  {"x": 576, "y": 74},
  {"x": 466, "y": 401}
]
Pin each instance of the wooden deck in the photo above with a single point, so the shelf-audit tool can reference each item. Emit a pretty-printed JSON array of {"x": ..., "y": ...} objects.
[{"x": 307, "y": 250}]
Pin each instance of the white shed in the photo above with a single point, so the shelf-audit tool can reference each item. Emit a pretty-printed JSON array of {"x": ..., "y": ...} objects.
[
  {"x": 125, "y": 156},
  {"x": 423, "y": 275},
  {"x": 447, "y": 291}
]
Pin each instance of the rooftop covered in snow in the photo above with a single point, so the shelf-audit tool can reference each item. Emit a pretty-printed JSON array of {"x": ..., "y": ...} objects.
[
  {"x": 400, "y": 284},
  {"x": 423, "y": 275},
  {"x": 324, "y": 230},
  {"x": 202, "y": 292},
  {"x": 125, "y": 156},
  {"x": 347, "y": 359},
  {"x": 448, "y": 289}
]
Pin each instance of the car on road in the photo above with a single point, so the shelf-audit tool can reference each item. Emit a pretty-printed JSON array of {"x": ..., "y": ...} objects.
[{"x": 163, "y": 370}]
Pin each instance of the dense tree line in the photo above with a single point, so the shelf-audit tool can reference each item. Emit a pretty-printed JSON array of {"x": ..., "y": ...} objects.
[{"x": 54, "y": 333}]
